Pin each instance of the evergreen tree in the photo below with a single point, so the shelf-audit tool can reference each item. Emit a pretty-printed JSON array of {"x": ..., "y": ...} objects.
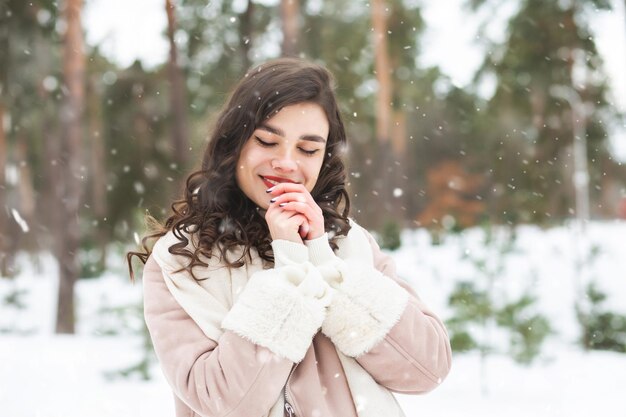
[
  {"x": 29, "y": 73},
  {"x": 549, "y": 49}
]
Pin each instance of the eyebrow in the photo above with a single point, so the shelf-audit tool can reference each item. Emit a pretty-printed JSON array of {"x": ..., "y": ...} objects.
[{"x": 279, "y": 132}]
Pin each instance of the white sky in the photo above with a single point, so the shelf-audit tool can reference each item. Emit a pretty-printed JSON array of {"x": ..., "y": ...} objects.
[{"x": 129, "y": 30}]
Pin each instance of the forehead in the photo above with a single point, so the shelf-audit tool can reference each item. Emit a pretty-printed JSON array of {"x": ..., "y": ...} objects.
[{"x": 305, "y": 118}]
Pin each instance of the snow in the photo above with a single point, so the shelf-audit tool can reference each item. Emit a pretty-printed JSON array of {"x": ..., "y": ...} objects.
[
  {"x": 63, "y": 376},
  {"x": 571, "y": 383},
  {"x": 46, "y": 375}
]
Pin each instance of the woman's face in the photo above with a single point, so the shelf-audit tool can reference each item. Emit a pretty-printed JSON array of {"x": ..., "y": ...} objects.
[{"x": 288, "y": 147}]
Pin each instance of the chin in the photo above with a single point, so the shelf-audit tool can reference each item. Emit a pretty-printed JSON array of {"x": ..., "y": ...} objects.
[{"x": 261, "y": 202}]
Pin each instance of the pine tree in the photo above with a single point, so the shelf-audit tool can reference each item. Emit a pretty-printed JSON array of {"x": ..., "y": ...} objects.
[
  {"x": 549, "y": 49},
  {"x": 27, "y": 73}
]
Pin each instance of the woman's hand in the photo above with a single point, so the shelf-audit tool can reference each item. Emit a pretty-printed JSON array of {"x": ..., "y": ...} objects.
[{"x": 293, "y": 214}]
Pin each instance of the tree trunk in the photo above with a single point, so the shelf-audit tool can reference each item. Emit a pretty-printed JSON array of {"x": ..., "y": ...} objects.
[
  {"x": 98, "y": 169},
  {"x": 4, "y": 212},
  {"x": 178, "y": 97},
  {"x": 399, "y": 178},
  {"x": 52, "y": 188},
  {"x": 71, "y": 122},
  {"x": 290, "y": 14},
  {"x": 245, "y": 34},
  {"x": 26, "y": 191},
  {"x": 382, "y": 67},
  {"x": 19, "y": 224},
  {"x": 4, "y": 218},
  {"x": 384, "y": 160}
]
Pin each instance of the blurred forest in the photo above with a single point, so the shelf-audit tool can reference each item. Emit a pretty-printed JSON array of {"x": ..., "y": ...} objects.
[{"x": 88, "y": 147}]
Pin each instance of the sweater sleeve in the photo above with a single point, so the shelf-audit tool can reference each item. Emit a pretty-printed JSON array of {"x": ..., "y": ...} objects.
[
  {"x": 378, "y": 319},
  {"x": 230, "y": 376}
]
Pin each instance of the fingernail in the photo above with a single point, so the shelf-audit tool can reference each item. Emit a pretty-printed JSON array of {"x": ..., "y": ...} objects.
[
  {"x": 273, "y": 200},
  {"x": 269, "y": 190},
  {"x": 282, "y": 204}
]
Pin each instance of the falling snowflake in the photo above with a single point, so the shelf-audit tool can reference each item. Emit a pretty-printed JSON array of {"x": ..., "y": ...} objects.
[{"x": 20, "y": 221}]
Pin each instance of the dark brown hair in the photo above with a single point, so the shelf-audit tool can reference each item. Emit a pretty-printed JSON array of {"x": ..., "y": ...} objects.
[{"x": 213, "y": 207}]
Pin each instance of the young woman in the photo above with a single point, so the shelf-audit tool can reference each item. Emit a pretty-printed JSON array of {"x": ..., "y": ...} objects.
[{"x": 261, "y": 296}]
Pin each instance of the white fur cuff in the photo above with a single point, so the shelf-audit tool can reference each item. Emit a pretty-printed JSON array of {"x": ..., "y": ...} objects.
[
  {"x": 281, "y": 309},
  {"x": 364, "y": 308}
]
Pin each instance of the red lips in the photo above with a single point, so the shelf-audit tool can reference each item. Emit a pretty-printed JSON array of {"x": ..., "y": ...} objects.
[{"x": 275, "y": 179}]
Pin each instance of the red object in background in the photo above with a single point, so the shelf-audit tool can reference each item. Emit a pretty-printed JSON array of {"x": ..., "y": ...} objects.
[{"x": 621, "y": 210}]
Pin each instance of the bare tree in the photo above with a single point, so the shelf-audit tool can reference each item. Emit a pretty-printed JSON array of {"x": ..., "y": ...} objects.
[
  {"x": 178, "y": 98},
  {"x": 26, "y": 191},
  {"x": 382, "y": 67},
  {"x": 387, "y": 164},
  {"x": 290, "y": 14},
  {"x": 245, "y": 34},
  {"x": 4, "y": 52},
  {"x": 97, "y": 165},
  {"x": 68, "y": 236},
  {"x": 3, "y": 191}
]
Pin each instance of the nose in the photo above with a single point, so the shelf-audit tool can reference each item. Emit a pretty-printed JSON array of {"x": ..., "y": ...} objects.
[{"x": 285, "y": 162}]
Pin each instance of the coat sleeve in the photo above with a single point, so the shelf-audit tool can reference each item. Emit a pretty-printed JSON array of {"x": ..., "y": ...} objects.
[
  {"x": 380, "y": 321},
  {"x": 230, "y": 376},
  {"x": 415, "y": 356}
]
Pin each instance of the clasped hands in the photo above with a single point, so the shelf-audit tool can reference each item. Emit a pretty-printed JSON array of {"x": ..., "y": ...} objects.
[{"x": 294, "y": 216}]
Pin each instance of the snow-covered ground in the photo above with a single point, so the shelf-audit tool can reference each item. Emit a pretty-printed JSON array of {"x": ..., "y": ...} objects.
[{"x": 42, "y": 375}]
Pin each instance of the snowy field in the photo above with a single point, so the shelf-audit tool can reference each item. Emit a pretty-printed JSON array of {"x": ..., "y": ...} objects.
[{"x": 42, "y": 375}]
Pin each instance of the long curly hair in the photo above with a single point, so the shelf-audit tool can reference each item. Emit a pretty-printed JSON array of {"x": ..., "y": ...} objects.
[{"x": 222, "y": 219}]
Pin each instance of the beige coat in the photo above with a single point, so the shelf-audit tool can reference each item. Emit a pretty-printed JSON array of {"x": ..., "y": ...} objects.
[{"x": 332, "y": 333}]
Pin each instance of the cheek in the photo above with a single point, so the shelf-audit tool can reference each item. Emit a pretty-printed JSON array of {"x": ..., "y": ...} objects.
[
  {"x": 239, "y": 175},
  {"x": 241, "y": 169},
  {"x": 252, "y": 158},
  {"x": 313, "y": 170},
  {"x": 244, "y": 164}
]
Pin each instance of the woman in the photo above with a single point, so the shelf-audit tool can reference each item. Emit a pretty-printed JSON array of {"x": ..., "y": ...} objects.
[{"x": 261, "y": 296}]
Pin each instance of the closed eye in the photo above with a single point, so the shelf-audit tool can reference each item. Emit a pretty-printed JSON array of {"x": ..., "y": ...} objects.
[
  {"x": 307, "y": 152},
  {"x": 263, "y": 143}
]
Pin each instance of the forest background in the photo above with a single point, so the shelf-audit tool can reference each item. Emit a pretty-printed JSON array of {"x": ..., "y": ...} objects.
[{"x": 87, "y": 146}]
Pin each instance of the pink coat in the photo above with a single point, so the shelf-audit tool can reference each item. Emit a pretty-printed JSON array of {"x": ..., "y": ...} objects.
[{"x": 234, "y": 377}]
